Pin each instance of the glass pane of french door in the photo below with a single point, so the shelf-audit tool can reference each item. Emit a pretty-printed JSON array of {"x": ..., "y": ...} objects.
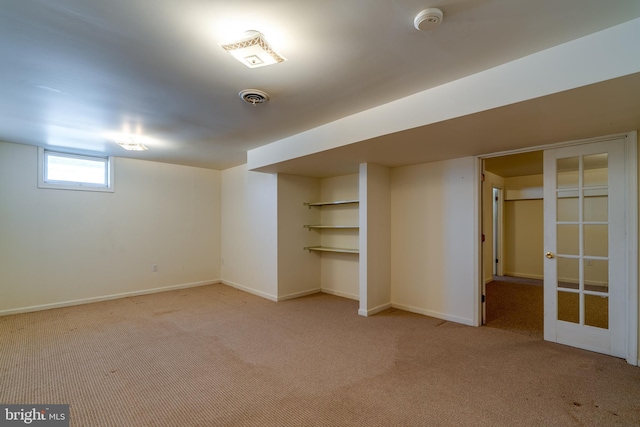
[{"x": 582, "y": 240}]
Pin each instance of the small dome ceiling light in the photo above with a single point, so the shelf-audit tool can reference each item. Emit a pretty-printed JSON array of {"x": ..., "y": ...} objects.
[
  {"x": 254, "y": 96},
  {"x": 428, "y": 19}
]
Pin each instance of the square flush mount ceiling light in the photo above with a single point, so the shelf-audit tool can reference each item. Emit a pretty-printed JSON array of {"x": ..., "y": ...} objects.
[
  {"x": 253, "y": 50},
  {"x": 130, "y": 144}
]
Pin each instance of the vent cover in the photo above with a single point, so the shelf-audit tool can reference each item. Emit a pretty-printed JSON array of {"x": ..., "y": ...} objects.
[{"x": 254, "y": 96}]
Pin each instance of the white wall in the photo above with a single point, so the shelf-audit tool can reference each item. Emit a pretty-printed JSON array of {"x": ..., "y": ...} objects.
[
  {"x": 434, "y": 235},
  {"x": 523, "y": 227},
  {"x": 375, "y": 239},
  {"x": 298, "y": 270},
  {"x": 250, "y": 231},
  {"x": 523, "y": 244},
  {"x": 637, "y": 255},
  {"x": 524, "y": 187},
  {"x": 58, "y": 247},
  {"x": 263, "y": 235},
  {"x": 339, "y": 272},
  {"x": 491, "y": 181}
]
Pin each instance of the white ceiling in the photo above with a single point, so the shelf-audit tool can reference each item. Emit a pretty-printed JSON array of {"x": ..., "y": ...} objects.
[{"x": 75, "y": 70}]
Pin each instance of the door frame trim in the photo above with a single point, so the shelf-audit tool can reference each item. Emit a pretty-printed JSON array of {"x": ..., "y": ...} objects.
[
  {"x": 631, "y": 211},
  {"x": 498, "y": 229},
  {"x": 631, "y": 208}
]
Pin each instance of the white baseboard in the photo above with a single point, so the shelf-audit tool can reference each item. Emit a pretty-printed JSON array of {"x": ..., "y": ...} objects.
[
  {"x": 437, "y": 315},
  {"x": 104, "y": 298},
  {"x": 250, "y": 290},
  {"x": 374, "y": 310},
  {"x": 340, "y": 294},
  {"x": 524, "y": 275},
  {"x": 560, "y": 279},
  {"x": 586, "y": 282},
  {"x": 299, "y": 294}
]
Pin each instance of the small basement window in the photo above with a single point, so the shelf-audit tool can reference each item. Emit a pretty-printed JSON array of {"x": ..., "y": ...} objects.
[{"x": 68, "y": 171}]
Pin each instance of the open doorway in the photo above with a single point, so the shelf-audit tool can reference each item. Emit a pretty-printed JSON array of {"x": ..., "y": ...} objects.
[
  {"x": 581, "y": 252},
  {"x": 513, "y": 229}
]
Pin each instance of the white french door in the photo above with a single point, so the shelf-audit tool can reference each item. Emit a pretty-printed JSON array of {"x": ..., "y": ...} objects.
[{"x": 585, "y": 270}]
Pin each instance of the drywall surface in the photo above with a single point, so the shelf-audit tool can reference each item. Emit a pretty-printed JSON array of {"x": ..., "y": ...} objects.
[
  {"x": 298, "y": 270},
  {"x": 491, "y": 181},
  {"x": 524, "y": 187},
  {"x": 523, "y": 238},
  {"x": 339, "y": 272},
  {"x": 637, "y": 257},
  {"x": 433, "y": 239},
  {"x": 524, "y": 227},
  {"x": 59, "y": 247},
  {"x": 250, "y": 231},
  {"x": 375, "y": 239}
]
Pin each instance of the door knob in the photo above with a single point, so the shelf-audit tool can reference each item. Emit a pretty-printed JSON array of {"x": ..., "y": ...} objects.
[{"x": 549, "y": 255}]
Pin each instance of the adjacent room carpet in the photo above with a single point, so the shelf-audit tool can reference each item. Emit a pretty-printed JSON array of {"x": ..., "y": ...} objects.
[
  {"x": 216, "y": 356},
  {"x": 516, "y": 304}
]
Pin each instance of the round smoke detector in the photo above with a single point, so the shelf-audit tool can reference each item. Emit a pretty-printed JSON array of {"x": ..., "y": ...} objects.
[
  {"x": 254, "y": 96},
  {"x": 428, "y": 19}
]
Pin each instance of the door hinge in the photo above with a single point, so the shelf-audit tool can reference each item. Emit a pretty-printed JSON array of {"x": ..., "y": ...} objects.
[
  {"x": 496, "y": 260},
  {"x": 483, "y": 178},
  {"x": 483, "y": 298},
  {"x": 483, "y": 238}
]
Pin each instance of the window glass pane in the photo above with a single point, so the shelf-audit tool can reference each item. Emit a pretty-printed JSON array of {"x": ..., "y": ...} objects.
[
  {"x": 76, "y": 169},
  {"x": 596, "y": 275},
  {"x": 568, "y": 206},
  {"x": 596, "y": 205},
  {"x": 596, "y": 311},
  {"x": 569, "y": 307},
  {"x": 595, "y": 170},
  {"x": 568, "y": 170},
  {"x": 568, "y": 239},
  {"x": 596, "y": 240},
  {"x": 568, "y": 273}
]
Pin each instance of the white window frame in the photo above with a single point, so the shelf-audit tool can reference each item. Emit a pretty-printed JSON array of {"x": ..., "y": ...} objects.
[{"x": 71, "y": 185}]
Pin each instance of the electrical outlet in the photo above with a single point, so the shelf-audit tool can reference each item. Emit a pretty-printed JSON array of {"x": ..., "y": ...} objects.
[{"x": 154, "y": 268}]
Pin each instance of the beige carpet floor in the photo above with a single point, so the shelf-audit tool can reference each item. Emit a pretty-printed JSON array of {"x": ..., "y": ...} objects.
[
  {"x": 216, "y": 356},
  {"x": 517, "y": 305}
]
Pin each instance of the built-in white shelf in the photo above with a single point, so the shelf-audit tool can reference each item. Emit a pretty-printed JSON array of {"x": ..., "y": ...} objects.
[
  {"x": 337, "y": 202},
  {"x": 331, "y": 227},
  {"x": 325, "y": 249},
  {"x": 334, "y": 227}
]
